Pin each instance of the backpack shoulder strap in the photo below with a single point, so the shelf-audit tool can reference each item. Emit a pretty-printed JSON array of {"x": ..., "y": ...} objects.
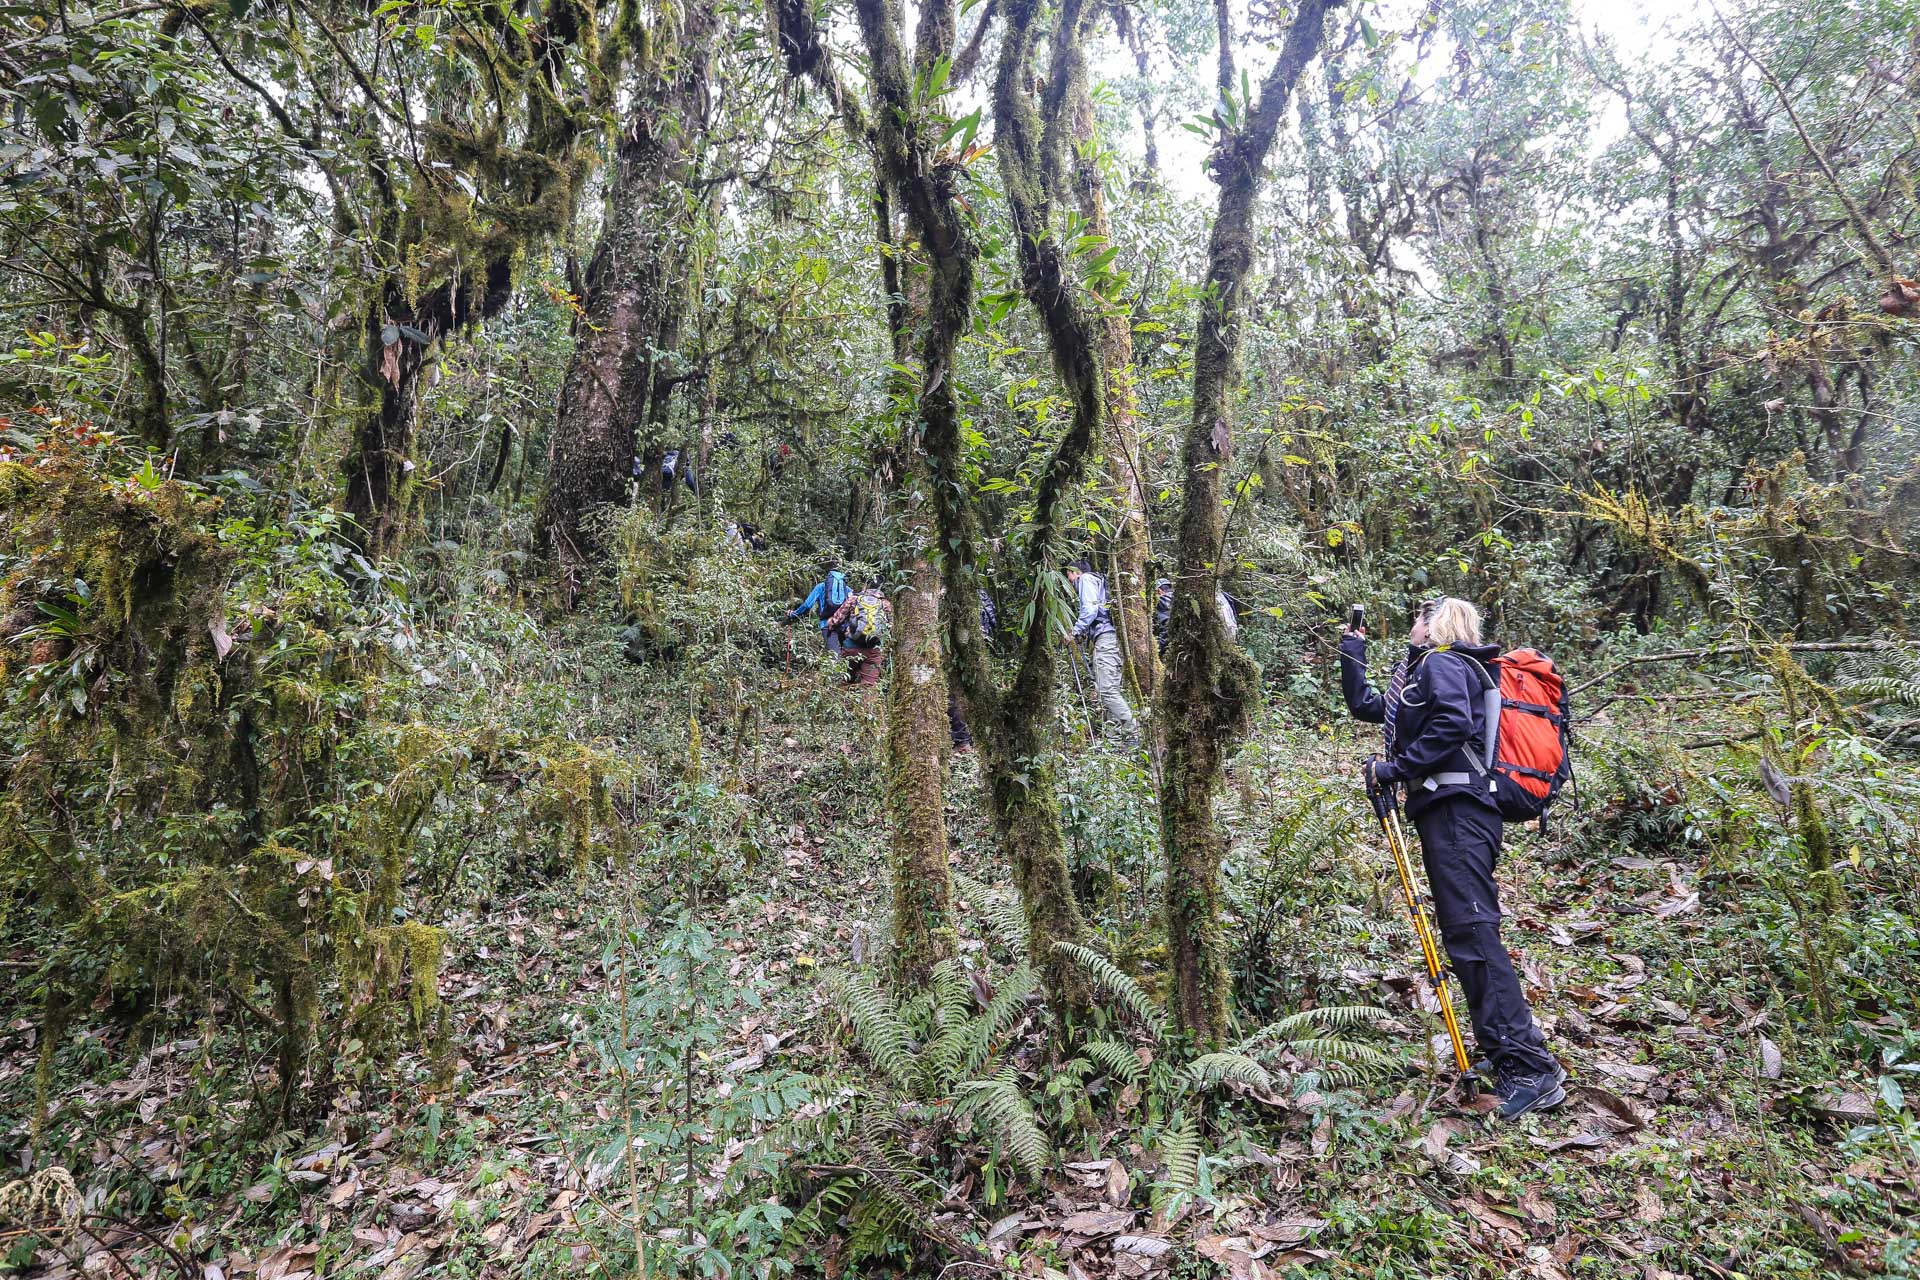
[{"x": 1489, "y": 711}]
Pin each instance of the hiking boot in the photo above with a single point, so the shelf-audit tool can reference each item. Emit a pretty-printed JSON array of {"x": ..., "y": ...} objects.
[
  {"x": 1520, "y": 1095},
  {"x": 1487, "y": 1071}
]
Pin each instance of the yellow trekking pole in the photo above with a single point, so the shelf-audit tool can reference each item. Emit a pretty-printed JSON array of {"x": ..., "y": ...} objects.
[{"x": 1388, "y": 811}]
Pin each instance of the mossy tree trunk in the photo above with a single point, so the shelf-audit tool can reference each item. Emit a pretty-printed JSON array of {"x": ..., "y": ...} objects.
[
  {"x": 917, "y": 731},
  {"x": 379, "y": 470},
  {"x": 553, "y": 81},
  {"x": 916, "y": 759},
  {"x": 632, "y": 304},
  {"x": 1208, "y": 694}
]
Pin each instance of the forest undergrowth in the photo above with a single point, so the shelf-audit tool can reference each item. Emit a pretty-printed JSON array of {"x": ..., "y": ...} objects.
[{"x": 711, "y": 1002}]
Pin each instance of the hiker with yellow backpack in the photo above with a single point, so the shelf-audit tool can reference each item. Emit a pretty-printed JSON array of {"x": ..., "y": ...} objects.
[
  {"x": 1448, "y": 742},
  {"x": 862, "y": 624}
]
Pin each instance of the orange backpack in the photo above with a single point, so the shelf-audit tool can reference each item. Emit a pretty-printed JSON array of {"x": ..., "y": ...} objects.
[{"x": 1528, "y": 719}]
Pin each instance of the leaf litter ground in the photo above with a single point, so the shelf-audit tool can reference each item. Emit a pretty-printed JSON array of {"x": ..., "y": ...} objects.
[{"x": 1701, "y": 1137}]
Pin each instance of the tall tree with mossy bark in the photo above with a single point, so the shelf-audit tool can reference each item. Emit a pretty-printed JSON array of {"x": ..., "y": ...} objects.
[
  {"x": 1211, "y": 685},
  {"x": 627, "y": 322},
  {"x": 455, "y": 204}
]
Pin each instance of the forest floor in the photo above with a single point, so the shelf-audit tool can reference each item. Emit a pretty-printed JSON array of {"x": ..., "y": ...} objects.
[{"x": 1707, "y": 1131}]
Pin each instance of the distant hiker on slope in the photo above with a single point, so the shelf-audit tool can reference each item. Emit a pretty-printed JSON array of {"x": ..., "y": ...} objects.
[
  {"x": 827, "y": 595},
  {"x": 863, "y": 622},
  {"x": 1163, "y": 612},
  {"x": 1093, "y": 627},
  {"x": 1434, "y": 716}
]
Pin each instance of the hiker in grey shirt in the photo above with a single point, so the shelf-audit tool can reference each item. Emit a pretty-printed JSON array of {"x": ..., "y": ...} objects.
[{"x": 1093, "y": 627}]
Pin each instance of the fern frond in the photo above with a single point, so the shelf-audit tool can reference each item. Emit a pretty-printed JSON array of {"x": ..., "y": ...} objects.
[
  {"x": 1345, "y": 1061},
  {"x": 998, "y": 910},
  {"x": 1895, "y": 689},
  {"x": 976, "y": 894},
  {"x": 952, "y": 997},
  {"x": 1115, "y": 1057},
  {"x": 886, "y": 1173},
  {"x": 1000, "y": 1105},
  {"x": 1009, "y": 1001},
  {"x": 1210, "y": 1070},
  {"x": 964, "y": 1047},
  {"x": 1180, "y": 1151},
  {"x": 1334, "y": 1017},
  {"x": 1070, "y": 1077},
  {"x": 876, "y": 1228},
  {"x": 823, "y": 1207},
  {"x": 1109, "y": 978},
  {"x": 877, "y": 1026}
]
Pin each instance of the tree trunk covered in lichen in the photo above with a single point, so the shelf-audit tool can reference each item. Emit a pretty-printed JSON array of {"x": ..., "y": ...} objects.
[
  {"x": 449, "y": 239},
  {"x": 632, "y": 306},
  {"x": 916, "y": 760},
  {"x": 917, "y": 734},
  {"x": 1208, "y": 695}
]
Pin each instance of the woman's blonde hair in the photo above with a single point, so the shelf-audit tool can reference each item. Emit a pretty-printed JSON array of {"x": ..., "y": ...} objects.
[{"x": 1453, "y": 621}]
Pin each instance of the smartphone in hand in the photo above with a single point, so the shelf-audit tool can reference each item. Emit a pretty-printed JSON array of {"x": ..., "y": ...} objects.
[{"x": 1356, "y": 617}]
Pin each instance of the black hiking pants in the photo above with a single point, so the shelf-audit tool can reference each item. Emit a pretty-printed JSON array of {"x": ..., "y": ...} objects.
[{"x": 1459, "y": 842}]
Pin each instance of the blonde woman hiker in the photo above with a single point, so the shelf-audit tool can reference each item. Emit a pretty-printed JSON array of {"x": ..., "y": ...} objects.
[{"x": 1433, "y": 717}]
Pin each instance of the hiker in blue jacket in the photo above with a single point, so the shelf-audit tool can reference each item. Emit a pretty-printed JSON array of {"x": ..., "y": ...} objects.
[
  {"x": 1435, "y": 721},
  {"x": 825, "y": 599}
]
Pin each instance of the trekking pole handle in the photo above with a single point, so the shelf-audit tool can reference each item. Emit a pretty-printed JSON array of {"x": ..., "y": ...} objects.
[{"x": 1383, "y": 798}]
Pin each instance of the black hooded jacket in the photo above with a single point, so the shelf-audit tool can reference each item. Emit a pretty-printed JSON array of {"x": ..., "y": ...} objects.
[{"x": 1441, "y": 724}]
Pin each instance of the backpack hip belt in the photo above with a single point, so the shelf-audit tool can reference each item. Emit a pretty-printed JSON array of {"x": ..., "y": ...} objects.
[{"x": 1435, "y": 781}]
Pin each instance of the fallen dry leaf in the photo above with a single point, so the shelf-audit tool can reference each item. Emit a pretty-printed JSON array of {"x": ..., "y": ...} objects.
[
  {"x": 1286, "y": 1230},
  {"x": 1434, "y": 1146},
  {"x": 1617, "y": 1109},
  {"x": 1094, "y": 1223},
  {"x": 1499, "y": 1220},
  {"x": 1007, "y": 1226},
  {"x": 1235, "y": 1253},
  {"x": 287, "y": 1262},
  {"x": 1582, "y": 1139},
  {"x": 1676, "y": 907},
  {"x": 1119, "y": 1183},
  {"x": 1142, "y": 1246},
  {"x": 1844, "y": 1107},
  {"x": 1538, "y": 1208}
]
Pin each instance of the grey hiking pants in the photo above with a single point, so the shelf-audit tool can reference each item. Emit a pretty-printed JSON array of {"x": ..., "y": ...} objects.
[{"x": 1109, "y": 683}]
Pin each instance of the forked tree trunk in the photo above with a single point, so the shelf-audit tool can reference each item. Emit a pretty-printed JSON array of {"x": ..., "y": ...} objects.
[
  {"x": 1208, "y": 695},
  {"x": 631, "y": 290},
  {"x": 1011, "y": 729},
  {"x": 406, "y": 316}
]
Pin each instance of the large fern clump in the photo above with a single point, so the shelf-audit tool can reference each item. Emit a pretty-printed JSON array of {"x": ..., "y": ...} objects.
[{"x": 1287, "y": 901}]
